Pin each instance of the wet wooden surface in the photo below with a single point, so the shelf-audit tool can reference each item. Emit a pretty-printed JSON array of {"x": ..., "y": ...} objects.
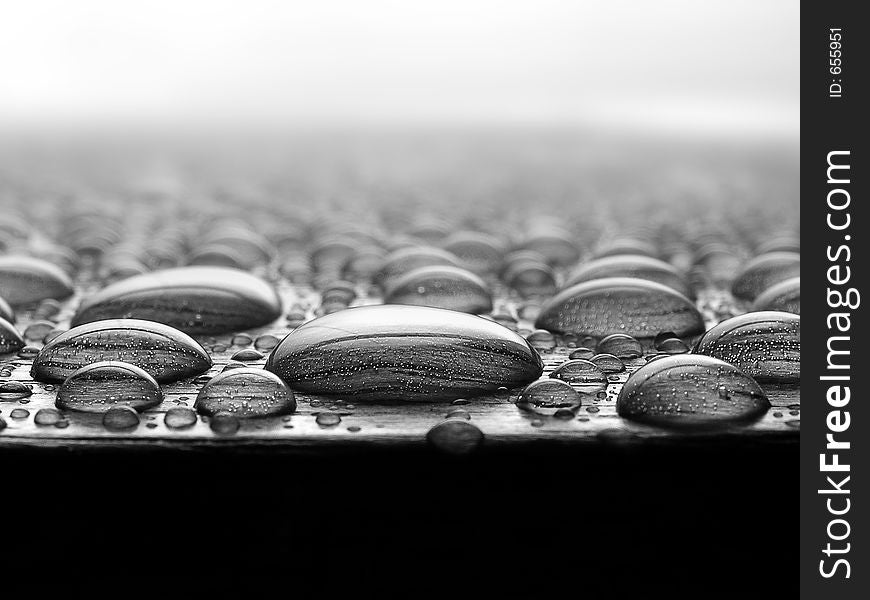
[{"x": 373, "y": 426}]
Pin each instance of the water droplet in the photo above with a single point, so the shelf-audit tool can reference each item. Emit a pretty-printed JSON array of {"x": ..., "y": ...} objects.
[
  {"x": 454, "y": 436},
  {"x": 636, "y": 307},
  {"x": 630, "y": 265},
  {"x": 447, "y": 287},
  {"x": 14, "y": 390},
  {"x": 25, "y": 280},
  {"x": 179, "y": 417},
  {"x": 546, "y": 396},
  {"x": 204, "y": 300},
  {"x": 245, "y": 392},
  {"x": 608, "y": 363},
  {"x": 103, "y": 385},
  {"x": 672, "y": 346},
  {"x": 327, "y": 419},
  {"x": 47, "y": 416},
  {"x": 785, "y": 296},
  {"x": 687, "y": 390},
  {"x": 581, "y": 352},
  {"x": 403, "y": 353},
  {"x": 458, "y": 413},
  {"x": 354, "y": 428},
  {"x": 19, "y": 413},
  {"x": 38, "y": 330},
  {"x": 582, "y": 373},
  {"x": 28, "y": 352},
  {"x": 764, "y": 345},
  {"x": 763, "y": 272},
  {"x": 620, "y": 345},
  {"x": 541, "y": 340},
  {"x": 242, "y": 339},
  {"x": 224, "y": 423},
  {"x": 163, "y": 352},
  {"x": 120, "y": 418},
  {"x": 266, "y": 342},
  {"x": 247, "y": 355}
]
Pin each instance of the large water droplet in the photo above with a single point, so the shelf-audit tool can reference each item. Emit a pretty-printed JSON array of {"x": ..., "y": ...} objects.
[
  {"x": 403, "y": 353},
  {"x": 631, "y": 265},
  {"x": 691, "y": 390},
  {"x": 165, "y": 353},
  {"x": 637, "y": 307},
  {"x": 765, "y": 345},
  {"x": 785, "y": 296},
  {"x": 245, "y": 392},
  {"x": 24, "y": 280},
  {"x": 10, "y": 339},
  {"x": 620, "y": 345},
  {"x": 193, "y": 299},
  {"x": 764, "y": 271},
  {"x": 102, "y": 385},
  {"x": 440, "y": 286}
]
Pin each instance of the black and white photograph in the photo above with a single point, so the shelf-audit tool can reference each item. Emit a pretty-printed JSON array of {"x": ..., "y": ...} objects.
[{"x": 468, "y": 293}]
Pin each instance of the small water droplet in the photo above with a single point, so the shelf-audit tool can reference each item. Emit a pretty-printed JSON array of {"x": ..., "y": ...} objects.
[
  {"x": 179, "y": 417},
  {"x": 119, "y": 418},
  {"x": 458, "y": 413},
  {"x": 546, "y": 396},
  {"x": 224, "y": 423},
  {"x": 47, "y": 416},
  {"x": 247, "y": 355},
  {"x": 327, "y": 419},
  {"x": 266, "y": 341},
  {"x": 19, "y": 413}
]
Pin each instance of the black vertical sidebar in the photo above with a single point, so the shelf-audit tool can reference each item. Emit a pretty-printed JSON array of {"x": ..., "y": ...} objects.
[{"x": 835, "y": 559}]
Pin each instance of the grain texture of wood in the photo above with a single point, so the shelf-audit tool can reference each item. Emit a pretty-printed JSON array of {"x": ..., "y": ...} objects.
[{"x": 371, "y": 426}]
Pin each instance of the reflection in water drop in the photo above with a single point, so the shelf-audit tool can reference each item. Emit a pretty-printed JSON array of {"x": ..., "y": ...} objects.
[
  {"x": 455, "y": 437},
  {"x": 328, "y": 419},
  {"x": 100, "y": 386},
  {"x": 247, "y": 355},
  {"x": 583, "y": 373},
  {"x": 179, "y": 417},
  {"x": 14, "y": 390},
  {"x": 266, "y": 341},
  {"x": 119, "y": 418},
  {"x": 224, "y": 423},
  {"x": 541, "y": 340},
  {"x": 28, "y": 352},
  {"x": 245, "y": 392},
  {"x": 47, "y": 416},
  {"x": 582, "y": 352},
  {"x": 19, "y": 413},
  {"x": 458, "y": 413},
  {"x": 608, "y": 363},
  {"x": 687, "y": 390},
  {"x": 546, "y": 396},
  {"x": 620, "y": 345}
]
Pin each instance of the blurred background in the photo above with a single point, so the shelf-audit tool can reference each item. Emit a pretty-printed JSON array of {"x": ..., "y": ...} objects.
[
  {"x": 532, "y": 105},
  {"x": 717, "y": 67}
]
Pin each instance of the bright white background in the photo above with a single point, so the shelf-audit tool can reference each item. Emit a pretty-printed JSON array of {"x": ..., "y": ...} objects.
[{"x": 698, "y": 66}]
